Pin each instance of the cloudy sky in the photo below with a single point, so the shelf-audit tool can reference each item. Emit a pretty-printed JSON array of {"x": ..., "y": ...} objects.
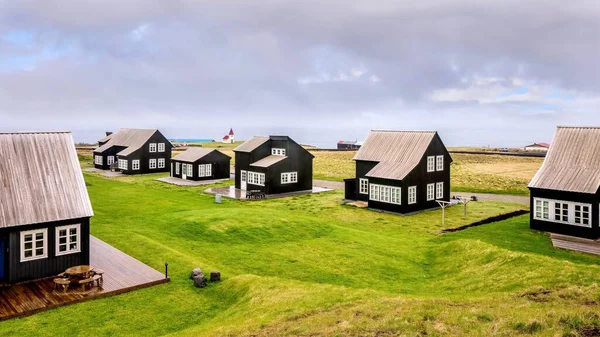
[{"x": 500, "y": 73}]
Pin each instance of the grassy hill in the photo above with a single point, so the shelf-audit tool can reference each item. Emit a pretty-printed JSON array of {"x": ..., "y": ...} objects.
[{"x": 310, "y": 266}]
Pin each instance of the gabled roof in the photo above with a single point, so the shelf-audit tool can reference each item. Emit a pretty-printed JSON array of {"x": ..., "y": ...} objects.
[
  {"x": 397, "y": 152},
  {"x": 194, "y": 153},
  {"x": 231, "y": 132},
  {"x": 132, "y": 139},
  {"x": 546, "y": 145},
  {"x": 252, "y": 144},
  {"x": 225, "y": 137},
  {"x": 41, "y": 179},
  {"x": 347, "y": 142},
  {"x": 106, "y": 138},
  {"x": 268, "y": 161},
  {"x": 573, "y": 161}
]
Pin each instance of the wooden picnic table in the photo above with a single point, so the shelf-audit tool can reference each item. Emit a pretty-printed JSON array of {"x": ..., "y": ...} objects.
[{"x": 80, "y": 271}]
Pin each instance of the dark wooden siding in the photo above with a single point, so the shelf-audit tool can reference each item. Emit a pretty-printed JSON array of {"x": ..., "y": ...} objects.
[
  {"x": 418, "y": 177},
  {"x": 17, "y": 271},
  {"x": 110, "y": 152},
  {"x": 221, "y": 167},
  {"x": 298, "y": 160},
  {"x": 144, "y": 155},
  {"x": 566, "y": 229}
]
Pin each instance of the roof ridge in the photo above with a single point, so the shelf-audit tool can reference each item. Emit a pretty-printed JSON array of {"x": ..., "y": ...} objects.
[
  {"x": 577, "y": 127},
  {"x": 32, "y": 132},
  {"x": 415, "y": 131}
]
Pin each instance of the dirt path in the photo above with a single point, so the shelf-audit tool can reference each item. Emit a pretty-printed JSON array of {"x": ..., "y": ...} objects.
[{"x": 518, "y": 199}]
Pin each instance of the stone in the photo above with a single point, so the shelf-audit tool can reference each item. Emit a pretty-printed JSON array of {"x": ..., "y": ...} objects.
[
  {"x": 200, "y": 281},
  {"x": 196, "y": 271},
  {"x": 215, "y": 276}
]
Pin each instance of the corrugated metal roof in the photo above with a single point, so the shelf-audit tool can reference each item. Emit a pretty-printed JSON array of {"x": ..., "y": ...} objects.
[
  {"x": 41, "y": 179},
  {"x": 194, "y": 153},
  {"x": 398, "y": 152},
  {"x": 253, "y": 143},
  {"x": 573, "y": 161},
  {"x": 268, "y": 161},
  {"x": 132, "y": 139}
]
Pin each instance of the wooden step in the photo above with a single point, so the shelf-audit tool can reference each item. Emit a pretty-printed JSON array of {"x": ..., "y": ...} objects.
[{"x": 575, "y": 243}]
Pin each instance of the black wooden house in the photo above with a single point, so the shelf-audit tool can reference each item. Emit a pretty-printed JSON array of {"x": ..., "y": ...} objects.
[
  {"x": 401, "y": 171},
  {"x": 134, "y": 151},
  {"x": 45, "y": 209},
  {"x": 565, "y": 195},
  {"x": 273, "y": 165},
  {"x": 198, "y": 163}
]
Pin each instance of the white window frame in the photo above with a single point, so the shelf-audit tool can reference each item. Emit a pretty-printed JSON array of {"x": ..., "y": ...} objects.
[
  {"x": 152, "y": 147},
  {"x": 412, "y": 195},
  {"x": 77, "y": 242},
  {"x": 98, "y": 160},
  {"x": 205, "y": 170},
  {"x": 152, "y": 164},
  {"x": 256, "y": 178},
  {"x": 34, "y": 246},
  {"x": 431, "y": 164},
  {"x": 289, "y": 177},
  {"x": 386, "y": 194},
  {"x": 278, "y": 152},
  {"x": 161, "y": 163},
  {"x": 439, "y": 190},
  {"x": 396, "y": 195},
  {"x": 208, "y": 170},
  {"x": 161, "y": 147},
  {"x": 430, "y": 192},
  {"x": 363, "y": 186},
  {"x": 123, "y": 164},
  {"x": 135, "y": 164},
  {"x": 110, "y": 160},
  {"x": 551, "y": 211},
  {"x": 439, "y": 163}
]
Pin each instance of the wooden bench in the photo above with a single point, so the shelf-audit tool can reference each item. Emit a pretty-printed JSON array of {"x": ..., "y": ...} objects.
[
  {"x": 86, "y": 281},
  {"x": 62, "y": 282}
]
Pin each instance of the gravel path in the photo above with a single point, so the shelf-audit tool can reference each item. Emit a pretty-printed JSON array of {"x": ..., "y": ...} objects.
[{"x": 518, "y": 199}]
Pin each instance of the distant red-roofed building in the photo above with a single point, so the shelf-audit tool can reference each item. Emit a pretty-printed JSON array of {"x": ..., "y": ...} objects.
[
  {"x": 537, "y": 147},
  {"x": 229, "y": 138}
]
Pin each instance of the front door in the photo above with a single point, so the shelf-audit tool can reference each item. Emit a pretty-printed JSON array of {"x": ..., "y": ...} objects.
[
  {"x": 2, "y": 251},
  {"x": 243, "y": 180}
]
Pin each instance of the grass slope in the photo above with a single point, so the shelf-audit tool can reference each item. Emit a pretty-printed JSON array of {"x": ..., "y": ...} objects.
[{"x": 310, "y": 266}]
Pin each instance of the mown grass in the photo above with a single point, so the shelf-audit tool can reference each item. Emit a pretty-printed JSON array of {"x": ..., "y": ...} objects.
[
  {"x": 309, "y": 265},
  {"x": 469, "y": 172}
]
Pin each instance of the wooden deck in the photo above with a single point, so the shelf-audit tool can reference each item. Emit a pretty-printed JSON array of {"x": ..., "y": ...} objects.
[
  {"x": 122, "y": 273},
  {"x": 575, "y": 243}
]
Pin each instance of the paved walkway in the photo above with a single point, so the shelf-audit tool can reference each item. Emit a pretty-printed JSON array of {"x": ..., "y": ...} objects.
[
  {"x": 182, "y": 182},
  {"x": 518, "y": 199}
]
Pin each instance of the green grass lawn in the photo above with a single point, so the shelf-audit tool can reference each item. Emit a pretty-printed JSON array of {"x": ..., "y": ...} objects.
[{"x": 310, "y": 266}]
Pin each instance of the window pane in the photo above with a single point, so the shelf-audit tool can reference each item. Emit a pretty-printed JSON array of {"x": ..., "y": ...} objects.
[
  {"x": 28, "y": 253},
  {"x": 62, "y": 232},
  {"x": 62, "y": 240},
  {"x": 73, "y": 246},
  {"x": 28, "y": 245},
  {"x": 39, "y": 252},
  {"x": 62, "y": 248},
  {"x": 39, "y": 236},
  {"x": 28, "y": 237}
]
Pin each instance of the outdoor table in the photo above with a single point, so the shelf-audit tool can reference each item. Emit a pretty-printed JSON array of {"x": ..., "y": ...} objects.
[{"x": 80, "y": 271}]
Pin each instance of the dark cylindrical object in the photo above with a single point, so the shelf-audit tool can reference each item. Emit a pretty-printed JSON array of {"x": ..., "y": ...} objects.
[{"x": 166, "y": 270}]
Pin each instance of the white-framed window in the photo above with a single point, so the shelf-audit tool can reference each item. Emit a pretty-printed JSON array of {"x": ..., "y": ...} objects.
[
  {"x": 439, "y": 190},
  {"x": 110, "y": 160},
  {"x": 412, "y": 195},
  {"x": 34, "y": 244},
  {"x": 135, "y": 164},
  {"x": 177, "y": 168},
  {"x": 430, "y": 164},
  {"x": 289, "y": 177},
  {"x": 188, "y": 169},
  {"x": 98, "y": 160},
  {"x": 152, "y": 163},
  {"x": 560, "y": 211},
  {"x": 123, "y": 164},
  {"x": 430, "y": 192},
  {"x": 161, "y": 147},
  {"x": 278, "y": 152},
  {"x": 161, "y": 162},
  {"x": 542, "y": 209},
  {"x": 68, "y": 239},
  {"x": 243, "y": 176},
  {"x": 582, "y": 214},
  {"x": 205, "y": 170},
  {"x": 256, "y": 178},
  {"x": 152, "y": 147},
  {"x": 387, "y": 194},
  {"x": 439, "y": 163},
  {"x": 363, "y": 186}
]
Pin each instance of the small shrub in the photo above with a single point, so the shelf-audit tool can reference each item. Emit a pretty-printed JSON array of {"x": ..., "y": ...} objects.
[{"x": 530, "y": 328}]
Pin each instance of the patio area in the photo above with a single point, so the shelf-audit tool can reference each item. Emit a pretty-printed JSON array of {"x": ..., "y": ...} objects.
[
  {"x": 182, "y": 182},
  {"x": 122, "y": 273},
  {"x": 234, "y": 193}
]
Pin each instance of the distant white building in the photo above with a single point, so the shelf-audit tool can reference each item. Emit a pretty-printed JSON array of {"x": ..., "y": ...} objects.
[
  {"x": 537, "y": 147},
  {"x": 229, "y": 138}
]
